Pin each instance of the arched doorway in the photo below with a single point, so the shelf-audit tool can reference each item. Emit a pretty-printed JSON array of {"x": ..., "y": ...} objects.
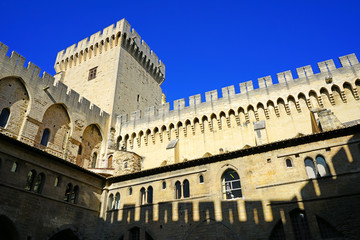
[
  {"x": 66, "y": 234},
  {"x": 7, "y": 229}
]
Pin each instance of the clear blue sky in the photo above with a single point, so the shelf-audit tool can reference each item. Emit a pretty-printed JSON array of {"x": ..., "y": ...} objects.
[{"x": 205, "y": 45}]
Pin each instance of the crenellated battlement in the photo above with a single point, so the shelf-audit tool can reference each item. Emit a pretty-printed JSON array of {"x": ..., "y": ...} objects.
[
  {"x": 58, "y": 91},
  {"x": 248, "y": 95},
  {"x": 112, "y": 36}
]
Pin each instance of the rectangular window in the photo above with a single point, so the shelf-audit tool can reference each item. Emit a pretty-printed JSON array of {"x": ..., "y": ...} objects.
[{"x": 92, "y": 73}]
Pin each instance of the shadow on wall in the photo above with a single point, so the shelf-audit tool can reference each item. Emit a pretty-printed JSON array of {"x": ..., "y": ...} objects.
[{"x": 327, "y": 208}]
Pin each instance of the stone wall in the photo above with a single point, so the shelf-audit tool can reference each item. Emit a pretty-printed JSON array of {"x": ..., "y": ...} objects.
[
  {"x": 252, "y": 117},
  {"x": 272, "y": 192},
  {"x": 38, "y": 103},
  {"x": 39, "y": 214}
]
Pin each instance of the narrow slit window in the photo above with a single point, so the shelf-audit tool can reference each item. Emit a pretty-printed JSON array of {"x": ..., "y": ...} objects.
[
  {"x": 4, "y": 117},
  {"x": 45, "y": 137}
]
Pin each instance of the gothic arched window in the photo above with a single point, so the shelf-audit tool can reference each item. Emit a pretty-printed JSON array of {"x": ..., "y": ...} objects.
[
  {"x": 39, "y": 183},
  {"x": 321, "y": 166},
  {"x": 111, "y": 201},
  {"x": 68, "y": 192},
  {"x": 150, "y": 195},
  {"x": 142, "y": 196},
  {"x": 30, "y": 180},
  {"x": 310, "y": 168},
  {"x": 177, "y": 190},
  {"x": 117, "y": 201},
  {"x": 186, "y": 188},
  {"x": 231, "y": 186},
  {"x": 74, "y": 194}
]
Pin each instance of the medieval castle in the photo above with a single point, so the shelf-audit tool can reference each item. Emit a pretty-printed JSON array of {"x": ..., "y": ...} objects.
[{"x": 95, "y": 152}]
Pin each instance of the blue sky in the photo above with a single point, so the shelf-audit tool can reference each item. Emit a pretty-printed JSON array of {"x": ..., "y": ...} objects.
[{"x": 205, "y": 45}]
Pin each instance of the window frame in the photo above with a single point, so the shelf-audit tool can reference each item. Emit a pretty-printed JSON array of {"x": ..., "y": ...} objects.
[
  {"x": 92, "y": 73},
  {"x": 226, "y": 183},
  {"x": 315, "y": 167}
]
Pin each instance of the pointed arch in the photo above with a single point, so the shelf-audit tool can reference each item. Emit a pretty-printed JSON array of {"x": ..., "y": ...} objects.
[
  {"x": 336, "y": 94},
  {"x": 232, "y": 118},
  {"x": 171, "y": 131},
  {"x": 302, "y": 101},
  {"x": 14, "y": 103},
  {"x": 292, "y": 104},
  {"x": 281, "y": 105},
  {"x": 140, "y": 137},
  {"x": 231, "y": 186},
  {"x": 91, "y": 141},
  {"x": 313, "y": 97},
  {"x": 197, "y": 125},
  {"x": 349, "y": 91},
  {"x": 325, "y": 96},
  {"x": 261, "y": 111},
  {"x": 251, "y": 113},
  {"x": 187, "y": 126},
  {"x": 271, "y": 108}
]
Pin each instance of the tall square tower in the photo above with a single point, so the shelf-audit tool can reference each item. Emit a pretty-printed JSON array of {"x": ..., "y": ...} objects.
[{"x": 114, "y": 69}]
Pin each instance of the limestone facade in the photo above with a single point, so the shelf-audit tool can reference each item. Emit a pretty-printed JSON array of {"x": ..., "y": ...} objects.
[{"x": 277, "y": 162}]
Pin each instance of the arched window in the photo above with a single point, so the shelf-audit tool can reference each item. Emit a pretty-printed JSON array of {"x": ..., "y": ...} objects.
[
  {"x": 150, "y": 195},
  {"x": 186, "y": 188},
  {"x": 14, "y": 167},
  {"x": 201, "y": 178},
  {"x": 177, "y": 190},
  {"x": 45, "y": 137},
  {"x": 130, "y": 190},
  {"x": 94, "y": 158},
  {"x": 30, "y": 180},
  {"x": 278, "y": 232},
  {"x": 74, "y": 195},
  {"x": 117, "y": 201},
  {"x": 163, "y": 185},
  {"x": 321, "y": 166},
  {"x": 310, "y": 168},
  {"x": 68, "y": 192},
  {"x": 111, "y": 201},
  {"x": 231, "y": 186},
  {"x": 142, "y": 196},
  {"x": 300, "y": 225},
  {"x": 39, "y": 183},
  {"x": 57, "y": 182},
  {"x": 288, "y": 163},
  {"x": 4, "y": 117}
]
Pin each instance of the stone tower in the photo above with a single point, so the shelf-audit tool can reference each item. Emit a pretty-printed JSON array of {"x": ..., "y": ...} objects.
[{"x": 114, "y": 69}]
